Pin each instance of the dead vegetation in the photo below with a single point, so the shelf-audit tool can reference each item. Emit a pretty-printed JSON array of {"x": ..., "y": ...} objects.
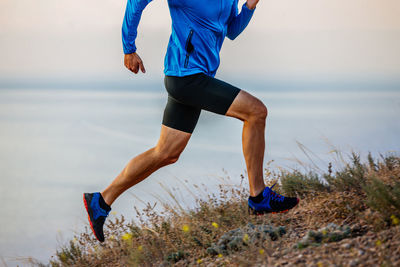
[{"x": 361, "y": 199}]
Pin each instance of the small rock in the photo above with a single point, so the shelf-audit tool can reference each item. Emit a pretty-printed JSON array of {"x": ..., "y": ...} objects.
[
  {"x": 275, "y": 254},
  {"x": 353, "y": 263},
  {"x": 250, "y": 225},
  {"x": 361, "y": 252},
  {"x": 346, "y": 245},
  {"x": 234, "y": 240}
]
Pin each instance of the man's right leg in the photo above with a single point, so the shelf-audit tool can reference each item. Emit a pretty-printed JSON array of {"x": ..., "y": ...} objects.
[
  {"x": 170, "y": 145},
  {"x": 179, "y": 121}
]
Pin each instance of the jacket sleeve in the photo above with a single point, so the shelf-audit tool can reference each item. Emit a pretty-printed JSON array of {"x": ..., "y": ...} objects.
[
  {"x": 133, "y": 12},
  {"x": 238, "y": 22}
]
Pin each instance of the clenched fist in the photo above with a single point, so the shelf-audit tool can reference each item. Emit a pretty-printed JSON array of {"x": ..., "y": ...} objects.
[
  {"x": 251, "y": 4},
  {"x": 133, "y": 62}
]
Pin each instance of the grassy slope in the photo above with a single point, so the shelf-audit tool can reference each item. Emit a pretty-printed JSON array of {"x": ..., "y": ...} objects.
[{"x": 364, "y": 197}]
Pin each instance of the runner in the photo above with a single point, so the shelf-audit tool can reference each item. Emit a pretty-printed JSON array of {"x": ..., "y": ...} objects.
[{"x": 192, "y": 59}]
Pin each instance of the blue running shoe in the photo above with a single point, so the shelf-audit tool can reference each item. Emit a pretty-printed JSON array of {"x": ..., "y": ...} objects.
[
  {"x": 96, "y": 214},
  {"x": 272, "y": 203}
]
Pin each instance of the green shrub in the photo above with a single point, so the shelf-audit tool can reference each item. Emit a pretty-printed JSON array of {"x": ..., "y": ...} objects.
[
  {"x": 68, "y": 255},
  {"x": 351, "y": 178},
  {"x": 296, "y": 183},
  {"x": 382, "y": 197}
]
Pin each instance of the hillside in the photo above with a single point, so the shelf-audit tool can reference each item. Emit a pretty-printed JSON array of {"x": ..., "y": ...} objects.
[{"x": 346, "y": 217}]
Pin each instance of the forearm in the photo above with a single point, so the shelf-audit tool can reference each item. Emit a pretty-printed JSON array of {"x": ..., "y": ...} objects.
[
  {"x": 240, "y": 22},
  {"x": 133, "y": 13}
]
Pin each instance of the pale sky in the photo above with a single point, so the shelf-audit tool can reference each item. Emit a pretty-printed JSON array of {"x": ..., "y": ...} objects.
[{"x": 70, "y": 39}]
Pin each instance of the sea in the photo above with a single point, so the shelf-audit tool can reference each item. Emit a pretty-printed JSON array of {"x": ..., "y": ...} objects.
[{"x": 56, "y": 143}]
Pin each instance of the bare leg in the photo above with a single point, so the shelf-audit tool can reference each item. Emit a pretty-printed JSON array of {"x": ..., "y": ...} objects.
[
  {"x": 253, "y": 114},
  {"x": 170, "y": 145}
]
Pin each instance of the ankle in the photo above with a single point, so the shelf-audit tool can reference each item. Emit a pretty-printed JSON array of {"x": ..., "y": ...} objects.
[
  {"x": 106, "y": 198},
  {"x": 258, "y": 198},
  {"x": 103, "y": 203},
  {"x": 256, "y": 191}
]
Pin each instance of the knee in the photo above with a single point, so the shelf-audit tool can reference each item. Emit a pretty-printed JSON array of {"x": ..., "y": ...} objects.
[
  {"x": 168, "y": 156},
  {"x": 258, "y": 113}
]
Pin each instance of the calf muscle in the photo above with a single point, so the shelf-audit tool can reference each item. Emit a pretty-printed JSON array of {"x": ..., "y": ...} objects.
[
  {"x": 170, "y": 145},
  {"x": 253, "y": 113}
]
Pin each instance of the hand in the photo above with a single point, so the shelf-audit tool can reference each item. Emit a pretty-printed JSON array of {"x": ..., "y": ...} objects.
[
  {"x": 133, "y": 62},
  {"x": 251, "y": 4}
]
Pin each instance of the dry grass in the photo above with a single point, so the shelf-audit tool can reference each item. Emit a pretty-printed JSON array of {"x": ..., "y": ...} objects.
[{"x": 363, "y": 196}]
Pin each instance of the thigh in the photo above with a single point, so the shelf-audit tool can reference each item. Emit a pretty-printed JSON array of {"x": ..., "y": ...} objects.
[
  {"x": 180, "y": 116},
  {"x": 245, "y": 105},
  {"x": 202, "y": 91}
]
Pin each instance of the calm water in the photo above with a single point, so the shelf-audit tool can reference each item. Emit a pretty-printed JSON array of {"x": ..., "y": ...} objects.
[{"x": 56, "y": 144}]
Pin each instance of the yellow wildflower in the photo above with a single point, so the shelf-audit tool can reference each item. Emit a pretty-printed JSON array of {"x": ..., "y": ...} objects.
[
  {"x": 185, "y": 228},
  {"x": 261, "y": 251},
  {"x": 395, "y": 220},
  {"x": 127, "y": 236},
  {"x": 140, "y": 248},
  {"x": 112, "y": 237},
  {"x": 324, "y": 232},
  {"x": 320, "y": 264},
  {"x": 219, "y": 255},
  {"x": 246, "y": 238},
  {"x": 199, "y": 261},
  {"x": 378, "y": 243},
  {"x": 113, "y": 213},
  {"x": 215, "y": 224},
  {"x": 63, "y": 257}
]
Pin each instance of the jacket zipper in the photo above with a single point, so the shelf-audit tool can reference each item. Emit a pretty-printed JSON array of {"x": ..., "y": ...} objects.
[
  {"x": 187, "y": 47},
  {"x": 220, "y": 13},
  {"x": 219, "y": 22}
]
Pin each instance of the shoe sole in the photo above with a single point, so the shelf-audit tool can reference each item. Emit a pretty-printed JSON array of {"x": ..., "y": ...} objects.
[
  {"x": 89, "y": 217},
  {"x": 260, "y": 213}
]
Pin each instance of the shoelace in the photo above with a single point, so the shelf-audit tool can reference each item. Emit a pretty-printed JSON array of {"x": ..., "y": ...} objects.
[
  {"x": 275, "y": 196},
  {"x": 98, "y": 212}
]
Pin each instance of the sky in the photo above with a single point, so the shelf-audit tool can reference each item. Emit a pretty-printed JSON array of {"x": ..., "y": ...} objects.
[{"x": 287, "y": 39}]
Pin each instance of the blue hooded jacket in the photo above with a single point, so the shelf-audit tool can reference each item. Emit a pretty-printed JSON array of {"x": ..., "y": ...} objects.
[{"x": 199, "y": 28}]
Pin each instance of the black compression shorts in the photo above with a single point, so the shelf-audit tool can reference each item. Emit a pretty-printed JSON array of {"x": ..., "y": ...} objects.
[{"x": 188, "y": 95}]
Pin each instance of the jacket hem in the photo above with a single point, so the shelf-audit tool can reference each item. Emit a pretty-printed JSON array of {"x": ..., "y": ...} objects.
[{"x": 182, "y": 73}]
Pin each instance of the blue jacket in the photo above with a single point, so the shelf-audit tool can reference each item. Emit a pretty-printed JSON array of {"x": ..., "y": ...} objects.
[{"x": 199, "y": 28}]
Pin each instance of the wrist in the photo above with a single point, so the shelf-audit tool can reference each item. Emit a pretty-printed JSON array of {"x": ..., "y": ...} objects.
[
  {"x": 129, "y": 49},
  {"x": 250, "y": 6}
]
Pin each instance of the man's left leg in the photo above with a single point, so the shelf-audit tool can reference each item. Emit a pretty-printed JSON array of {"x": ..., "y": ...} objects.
[
  {"x": 217, "y": 96},
  {"x": 253, "y": 113}
]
